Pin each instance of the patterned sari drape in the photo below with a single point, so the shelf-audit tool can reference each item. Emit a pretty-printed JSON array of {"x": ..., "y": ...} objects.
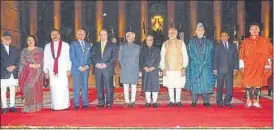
[{"x": 31, "y": 79}]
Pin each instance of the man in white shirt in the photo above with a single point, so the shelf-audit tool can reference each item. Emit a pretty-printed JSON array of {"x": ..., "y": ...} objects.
[{"x": 57, "y": 67}]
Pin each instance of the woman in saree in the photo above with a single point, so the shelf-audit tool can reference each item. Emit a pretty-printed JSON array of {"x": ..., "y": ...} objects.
[{"x": 31, "y": 76}]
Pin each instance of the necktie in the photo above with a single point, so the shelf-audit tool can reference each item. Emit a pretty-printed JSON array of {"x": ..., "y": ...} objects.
[
  {"x": 226, "y": 46},
  {"x": 103, "y": 47},
  {"x": 82, "y": 45}
]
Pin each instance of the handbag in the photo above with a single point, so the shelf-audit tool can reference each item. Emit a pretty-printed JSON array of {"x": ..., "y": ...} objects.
[{"x": 45, "y": 82}]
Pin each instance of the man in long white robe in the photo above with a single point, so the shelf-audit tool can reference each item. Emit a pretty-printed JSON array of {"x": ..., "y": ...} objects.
[
  {"x": 174, "y": 60},
  {"x": 59, "y": 89}
]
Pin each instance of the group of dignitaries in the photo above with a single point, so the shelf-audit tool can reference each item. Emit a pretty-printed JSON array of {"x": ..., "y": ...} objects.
[{"x": 194, "y": 66}]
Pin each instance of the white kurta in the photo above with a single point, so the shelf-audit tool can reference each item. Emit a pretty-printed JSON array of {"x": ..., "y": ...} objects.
[
  {"x": 59, "y": 89},
  {"x": 173, "y": 79}
]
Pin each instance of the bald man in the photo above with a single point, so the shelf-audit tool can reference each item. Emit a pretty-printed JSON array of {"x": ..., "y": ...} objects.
[{"x": 80, "y": 53}]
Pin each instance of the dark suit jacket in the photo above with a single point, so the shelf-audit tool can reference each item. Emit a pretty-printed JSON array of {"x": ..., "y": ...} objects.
[
  {"x": 8, "y": 60},
  {"x": 225, "y": 61},
  {"x": 109, "y": 57}
]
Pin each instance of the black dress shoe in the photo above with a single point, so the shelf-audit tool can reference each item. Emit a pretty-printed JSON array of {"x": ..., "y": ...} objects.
[
  {"x": 127, "y": 105},
  {"x": 218, "y": 105},
  {"x": 193, "y": 104},
  {"x": 155, "y": 105},
  {"x": 133, "y": 104},
  {"x": 51, "y": 109},
  {"x": 171, "y": 104},
  {"x": 12, "y": 109},
  {"x": 109, "y": 106},
  {"x": 229, "y": 105},
  {"x": 99, "y": 106},
  {"x": 179, "y": 104},
  {"x": 147, "y": 105},
  {"x": 4, "y": 110},
  {"x": 207, "y": 105},
  {"x": 85, "y": 107}
]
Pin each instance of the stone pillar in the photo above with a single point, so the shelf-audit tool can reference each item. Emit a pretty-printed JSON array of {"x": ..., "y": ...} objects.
[
  {"x": 99, "y": 18},
  {"x": 77, "y": 15},
  {"x": 33, "y": 18},
  {"x": 10, "y": 21},
  {"x": 171, "y": 14},
  {"x": 265, "y": 18},
  {"x": 193, "y": 16},
  {"x": 57, "y": 14},
  {"x": 144, "y": 19},
  {"x": 217, "y": 19},
  {"x": 121, "y": 18},
  {"x": 241, "y": 19}
]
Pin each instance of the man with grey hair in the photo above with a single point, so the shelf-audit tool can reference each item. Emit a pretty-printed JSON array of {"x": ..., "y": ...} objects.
[
  {"x": 199, "y": 76},
  {"x": 174, "y": 60},
  {"x": 10, "y": 57}
]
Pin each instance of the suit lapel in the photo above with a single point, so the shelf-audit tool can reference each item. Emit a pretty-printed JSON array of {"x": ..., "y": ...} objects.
[
  {"x": 4, "y": 49},
  {"x": 230, "y": 49}
]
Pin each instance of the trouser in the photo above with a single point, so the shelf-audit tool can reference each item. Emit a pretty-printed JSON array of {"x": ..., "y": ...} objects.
[
  {"x": 4, "y": 96},
  {"x": 104, "y": 79},
  {"x": 80, "y": 80},
  {"x": 171, "y": 94},
  {"x": 154, "y": 97},
  {"x": 226, "y": 78},
  {"x": 206, "y": 98},
  {"x": 133, "y": 92}
]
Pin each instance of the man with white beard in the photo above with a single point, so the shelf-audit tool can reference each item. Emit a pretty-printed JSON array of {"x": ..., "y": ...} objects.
[
  {"x": 174, "y": 60},
  {"x": 57, "y": 67}
]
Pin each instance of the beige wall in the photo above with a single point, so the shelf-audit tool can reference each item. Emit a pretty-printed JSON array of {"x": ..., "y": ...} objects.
[{"x": 10, "y": 20}]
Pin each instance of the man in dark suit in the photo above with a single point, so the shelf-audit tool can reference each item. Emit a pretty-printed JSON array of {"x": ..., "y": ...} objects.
[
  {"x": 103, "y": 57},
  {"x": 9, "y": 72},
  {"x": 80, "y": 52},
  {"x": 225, "y": 64}
]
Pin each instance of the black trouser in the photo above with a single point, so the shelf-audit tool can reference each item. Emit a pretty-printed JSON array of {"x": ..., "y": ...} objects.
[
  {"x": 104, "y": 78},
  {"x": 226, "y": 78}
]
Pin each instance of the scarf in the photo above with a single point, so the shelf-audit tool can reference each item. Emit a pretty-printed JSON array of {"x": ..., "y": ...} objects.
[{"x": 55, "y": 68}]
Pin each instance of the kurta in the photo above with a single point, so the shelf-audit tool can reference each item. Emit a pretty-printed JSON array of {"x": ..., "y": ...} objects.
[
  {"x": 59, "y": 89},
  {"x": 174, "y": 58},
  {"x": 199, "y": 74},
  {"x": 150, "y": 57},
  {"x": 129, "y": 60},
  {"x": 254, "y": 55}
]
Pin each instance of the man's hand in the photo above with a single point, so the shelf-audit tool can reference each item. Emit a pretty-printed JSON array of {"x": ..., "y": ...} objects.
[
  {"x": 86, "y": 67},
  {"x": 47, "y": 75},
  {"x": 215, "y": 72},
  {"x": 82, "y": 69},
  {"x": 104, "y": 65},
  {"x": 68, "y": 73},
  {"x": 146, "y": 69},
  {"x": 151, "y": 69},
  {"x": 234, "y": 72},
  {"x": 267, "y": 68},
  {"x": 18, "y": 89},
  {"x": 242, "y": 69},
  {"x": 164, "y": 72},
  {"x": 183, "y": 72},
  {"x": 98, "y": 65},
  {"x": 11, "y": 68}
]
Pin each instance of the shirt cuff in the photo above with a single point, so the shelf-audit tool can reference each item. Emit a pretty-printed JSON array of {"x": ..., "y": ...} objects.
[{"x": 241, "y": 63}]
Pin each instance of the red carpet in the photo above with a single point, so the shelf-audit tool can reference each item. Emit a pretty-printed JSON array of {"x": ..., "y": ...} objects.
[{"x": 148, "y": 117}]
